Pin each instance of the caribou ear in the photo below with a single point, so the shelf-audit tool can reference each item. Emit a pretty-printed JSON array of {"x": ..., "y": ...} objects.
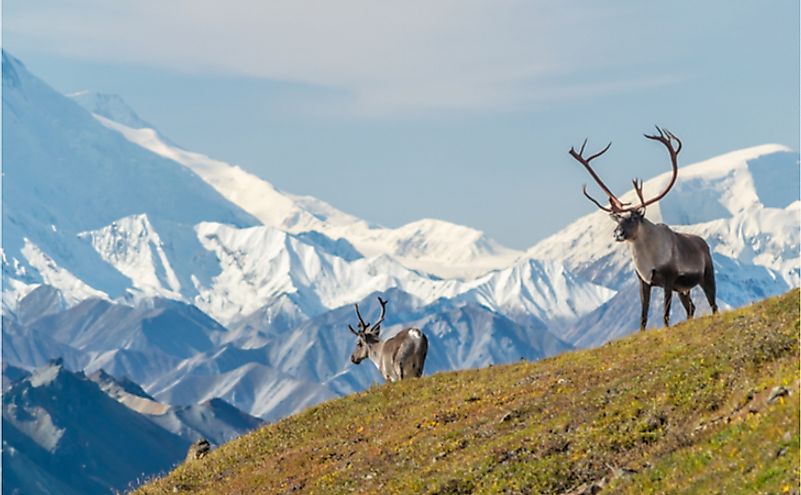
[{"x": 640, "y": 212}]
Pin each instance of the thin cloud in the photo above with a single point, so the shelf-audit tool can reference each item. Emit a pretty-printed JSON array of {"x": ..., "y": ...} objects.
[{"x": 389, "y": 56}]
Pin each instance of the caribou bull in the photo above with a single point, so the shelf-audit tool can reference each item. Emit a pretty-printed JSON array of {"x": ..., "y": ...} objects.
[
  {"x": 662, "y": 258},
  {"x": 399, "y": 357}
]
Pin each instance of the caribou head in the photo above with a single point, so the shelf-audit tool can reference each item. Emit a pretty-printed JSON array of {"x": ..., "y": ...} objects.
[
  {"x": 663, "y": 258},
  {"x": 629, "y": 217},
  {"x": 367, "y": 335}
]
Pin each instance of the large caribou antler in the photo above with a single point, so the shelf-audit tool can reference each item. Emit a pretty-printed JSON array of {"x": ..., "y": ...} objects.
[
  {"x": 665, "y": 137},
  {"x": 365, "y": 327},
  {"x": 615, "y": 205}
]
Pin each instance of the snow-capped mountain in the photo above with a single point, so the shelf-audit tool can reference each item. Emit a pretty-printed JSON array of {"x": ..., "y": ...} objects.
[
  {"x": 70, "y": 174},
  {"x": 125, "y": 231},
  {"x": 434, "y": 246},
  {"x": 743, "y": 202},
  {"x": 134, "y": 248},
  {"x": 260, "y": 264},
  {"x": 238, "y": 271}
]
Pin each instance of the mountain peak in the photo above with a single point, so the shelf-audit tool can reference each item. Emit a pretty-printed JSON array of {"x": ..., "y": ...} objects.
[
  {"x": 110, "y": 106},
  {"x": 429, "y": 224}
]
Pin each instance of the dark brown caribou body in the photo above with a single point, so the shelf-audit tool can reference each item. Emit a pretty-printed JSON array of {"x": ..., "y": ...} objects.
[{"x": 662, "y": 258}]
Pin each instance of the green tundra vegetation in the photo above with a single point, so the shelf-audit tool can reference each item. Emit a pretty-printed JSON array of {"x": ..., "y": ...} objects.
[{"x": 707, "y": 406}]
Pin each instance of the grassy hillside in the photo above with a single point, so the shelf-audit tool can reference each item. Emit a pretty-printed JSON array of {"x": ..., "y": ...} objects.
[{"x": 682, "y": 410}]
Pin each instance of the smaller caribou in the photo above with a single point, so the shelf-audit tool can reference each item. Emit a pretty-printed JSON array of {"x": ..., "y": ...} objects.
[
  {"x": 399, "y": 357},
  {"x": 662, "y": 258}
]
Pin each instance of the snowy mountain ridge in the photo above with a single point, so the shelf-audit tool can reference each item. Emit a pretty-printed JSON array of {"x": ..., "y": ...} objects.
[
  {"x": 434, "y": 246},
  {"x": 260, "y": 264},
  {"x": 745, "y": 218},
  {"x": 134, "y": 248},
  {"x": 130, "y": 232},
  {"x": 70, "y": 174}
]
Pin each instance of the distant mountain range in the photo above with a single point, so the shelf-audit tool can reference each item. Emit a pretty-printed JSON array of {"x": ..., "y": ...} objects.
[{"x": 175, "y": 282}]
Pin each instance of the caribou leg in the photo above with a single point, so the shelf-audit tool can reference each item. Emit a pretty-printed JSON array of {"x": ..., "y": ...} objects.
[
  {"x": 708, "y": 285},
  {"x": 645, "y": 300},
  {"x": 668, "y": 300},
  {"x": 687, "y": 302}
]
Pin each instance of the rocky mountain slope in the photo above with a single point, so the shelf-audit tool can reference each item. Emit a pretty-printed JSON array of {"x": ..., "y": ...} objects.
[
  {"x": 68, "y": 433},
  {"x": 63, "y": 435}
]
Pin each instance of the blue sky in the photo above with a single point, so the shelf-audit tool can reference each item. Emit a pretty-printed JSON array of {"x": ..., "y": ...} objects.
[{"x": 460, "y": 110}]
